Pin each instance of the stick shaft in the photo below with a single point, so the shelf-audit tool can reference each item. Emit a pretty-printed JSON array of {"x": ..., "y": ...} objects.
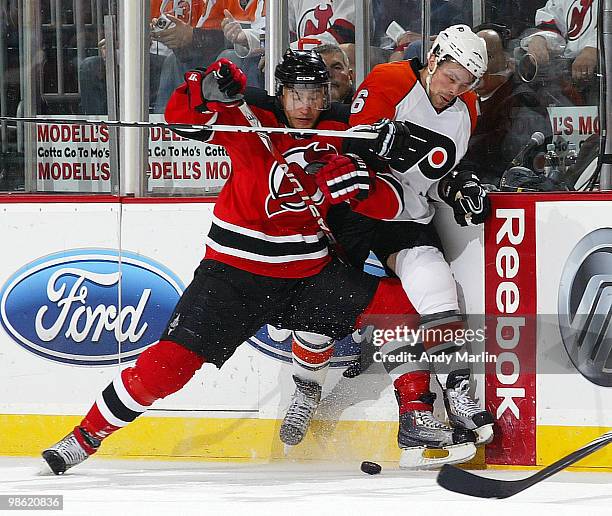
[
  {"x": 464, "y": 482},
  {"x": 253, "y": 120},
  {"x": 364, "y": 135}
]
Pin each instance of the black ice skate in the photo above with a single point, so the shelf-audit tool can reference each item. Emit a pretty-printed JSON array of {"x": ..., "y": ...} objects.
[
  {"x": 70, "y": 451},
  {"x": 428, "y": 443},
  {"x": 463, "y": 411},
  {"x": 301, "y": 409}
]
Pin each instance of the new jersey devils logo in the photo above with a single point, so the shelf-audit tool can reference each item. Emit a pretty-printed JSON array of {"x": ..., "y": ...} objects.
[
  {"x": 315, "y": 21},
  {"x": 283, "y": 196},
  {"x": 579, "y": 18},
  {"x": 432, "y": 152}
]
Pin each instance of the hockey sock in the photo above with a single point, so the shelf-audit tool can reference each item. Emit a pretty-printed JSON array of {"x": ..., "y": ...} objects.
[
  {"x": 412, "y": 392},
  {"x": 311, "y": 356},
  {"x": 389, "y": 300},
  {"x": 160, "y": 370},
  {"x": 443, "y": 331}
]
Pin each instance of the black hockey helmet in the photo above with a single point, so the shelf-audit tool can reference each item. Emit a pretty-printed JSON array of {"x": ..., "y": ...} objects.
[{"x": 302, "y": 68}]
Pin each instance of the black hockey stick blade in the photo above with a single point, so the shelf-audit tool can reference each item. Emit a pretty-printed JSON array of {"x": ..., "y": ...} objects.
[{"x": 461, "y": 481}]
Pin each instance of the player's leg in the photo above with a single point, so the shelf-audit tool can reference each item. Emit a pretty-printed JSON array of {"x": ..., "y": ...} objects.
[
  {"x": 323, "y": 310},
  {"x": 418, "y": 430},
  {"x": 217, "y": 312},
  {"x": 429, "y": 284},
  {"x": 312, "y": 353},
  {"x": 160, "y": 370}
]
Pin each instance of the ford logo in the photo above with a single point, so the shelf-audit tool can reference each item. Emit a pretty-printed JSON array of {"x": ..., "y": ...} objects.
[
  {"x": 89, "y": 307},
  {"x": 585, "y": 305}
]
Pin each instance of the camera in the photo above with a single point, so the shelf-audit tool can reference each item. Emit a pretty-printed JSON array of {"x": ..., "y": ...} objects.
[{"x": 162, "y": 23}]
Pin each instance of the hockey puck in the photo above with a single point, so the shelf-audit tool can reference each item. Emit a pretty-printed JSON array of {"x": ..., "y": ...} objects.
[{"x": 371, "y": 468}]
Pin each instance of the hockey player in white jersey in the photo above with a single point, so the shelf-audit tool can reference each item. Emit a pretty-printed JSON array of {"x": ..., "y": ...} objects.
[{"x": 430, "y": 113}]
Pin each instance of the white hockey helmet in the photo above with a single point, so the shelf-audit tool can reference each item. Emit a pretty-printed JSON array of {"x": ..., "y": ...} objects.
[{"x": 459, "y": 43}]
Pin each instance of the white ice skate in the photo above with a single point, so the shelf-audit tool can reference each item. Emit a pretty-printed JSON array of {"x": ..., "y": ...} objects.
[
  {"x": 463, "y": 411},
  {"x": 73, "y": 449},
  {"x": 301, "y": 409},
  {"x": 428, "y": 443}
]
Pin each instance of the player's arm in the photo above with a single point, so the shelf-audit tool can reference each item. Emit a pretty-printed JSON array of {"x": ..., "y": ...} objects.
[
  {"x": 373, "y": 109},
  {"x": 550, "y": 36},
  {"x": 346, "y": 177},
  {"x": 204, "y": 99}
]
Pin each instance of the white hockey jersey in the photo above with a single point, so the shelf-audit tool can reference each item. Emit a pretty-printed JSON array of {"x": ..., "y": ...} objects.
[
  {"x": 567, "y": 25},
  {"x": 328, "y": 21},
  {"x": 439, "y": 139}
]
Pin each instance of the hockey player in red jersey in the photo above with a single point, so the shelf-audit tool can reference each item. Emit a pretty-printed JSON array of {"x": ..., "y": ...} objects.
[
  {"x": 430, "y": 114},
  {"x": 266, "y": 261}
]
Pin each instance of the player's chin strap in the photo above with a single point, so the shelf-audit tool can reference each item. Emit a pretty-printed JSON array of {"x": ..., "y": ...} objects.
[{"x": 429, "y": 76}]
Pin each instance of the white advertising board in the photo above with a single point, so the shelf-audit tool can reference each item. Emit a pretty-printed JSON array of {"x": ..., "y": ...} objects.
[
  {"x": 566, "y": 397},
  {"x": 76, "y": 158}
]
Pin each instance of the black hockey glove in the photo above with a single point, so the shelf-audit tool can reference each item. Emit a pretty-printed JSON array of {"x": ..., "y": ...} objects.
[
  {"x": 344, "y": 177},
  {"x": 393, "y": 139},
  {"x": 468, "y": 199}
]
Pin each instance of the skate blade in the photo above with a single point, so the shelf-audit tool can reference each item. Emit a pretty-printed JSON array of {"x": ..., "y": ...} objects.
[
  {"x": 44, "y": 470},
  {"x": 430, "y": 458},
  {"x": 484, "y": 434}
]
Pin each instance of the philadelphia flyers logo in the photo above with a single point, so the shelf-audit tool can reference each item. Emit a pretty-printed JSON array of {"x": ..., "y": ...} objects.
[
  {"x": 314, "y": 21},
  {"x": 579, "y": 18},
  {"x": 283, "y": 196},
  {"x": 433, "y": 153}
]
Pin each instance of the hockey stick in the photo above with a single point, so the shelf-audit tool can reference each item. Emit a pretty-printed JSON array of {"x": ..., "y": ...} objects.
[
  {"x": 464, "y": 482},
  {"x": 306, "y": 199},
  {"x": 366, "y": 135}
]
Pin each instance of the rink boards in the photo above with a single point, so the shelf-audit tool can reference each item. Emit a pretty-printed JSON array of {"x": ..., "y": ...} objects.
[{"x": 67, "y": 259}]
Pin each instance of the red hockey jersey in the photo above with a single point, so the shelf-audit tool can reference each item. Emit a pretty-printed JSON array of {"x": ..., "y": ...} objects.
[{"x": 260, "y": 224}]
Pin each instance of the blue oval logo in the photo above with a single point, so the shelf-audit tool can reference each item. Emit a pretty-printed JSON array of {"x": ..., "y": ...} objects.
[{"x": 71, "y": 307}]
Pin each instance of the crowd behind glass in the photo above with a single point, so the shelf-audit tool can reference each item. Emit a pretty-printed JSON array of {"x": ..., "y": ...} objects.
[{"x": 538, "y": 128}]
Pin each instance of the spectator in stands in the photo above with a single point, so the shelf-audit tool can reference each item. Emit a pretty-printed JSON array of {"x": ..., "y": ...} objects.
[
  {"x": 340, "y": 72},
  {"x": 511, "y": 111},
  {"x": 408, "y": 14},
  {"x": 198, "y": 43},
  {"x": 92, "y": 70},
  {"x": 569, "y": 29},
  {"x": 311, "y": 23},
  {"x": 517, "y": 15},
  {"x": 92, "y": 80},
  {"x": 246, "y": 54}
]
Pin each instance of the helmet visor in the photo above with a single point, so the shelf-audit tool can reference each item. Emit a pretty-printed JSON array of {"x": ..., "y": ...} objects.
[{"x": 300, "y": 96}]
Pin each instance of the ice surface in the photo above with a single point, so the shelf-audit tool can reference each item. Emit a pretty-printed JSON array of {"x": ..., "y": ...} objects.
[{"x": 102, "y": 486}]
